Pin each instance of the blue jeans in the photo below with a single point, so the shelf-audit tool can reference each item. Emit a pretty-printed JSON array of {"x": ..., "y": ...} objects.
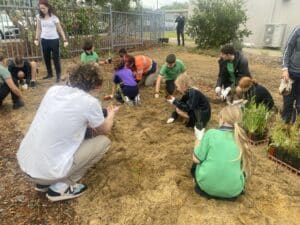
[{"x": 291, "y": 99}]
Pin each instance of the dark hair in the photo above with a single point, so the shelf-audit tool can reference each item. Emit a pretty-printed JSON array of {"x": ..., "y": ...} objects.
[
  {"x": 228, "y": 49},
  {"x": 118, "y": 64},
  {"x": 50, "y": 9},
  {"x": 87, "y": 45},
  {"x": 122, "y": 52},
  {"x": 130, "y": 61},
  {"x": 85, "y": 77},
  {"x": 171, "y": 58},
  {"x": 2, "y": 56},
  {"x": 18, "y": 60}
]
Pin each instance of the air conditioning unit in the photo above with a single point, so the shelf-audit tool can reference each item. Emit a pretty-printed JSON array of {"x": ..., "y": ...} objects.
[{"x": 274, "y": 35}]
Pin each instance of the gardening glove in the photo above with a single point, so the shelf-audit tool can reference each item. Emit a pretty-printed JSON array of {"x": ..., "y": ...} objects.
[
  {"x": 36, "y": 42},
  {"x": 170, "y": 99},
  {"x": 225, "y": 92},
  {"x": 66, "y": 43},
  {"x": 24, "y": 87},
  {"x": 218, "y": 91}
]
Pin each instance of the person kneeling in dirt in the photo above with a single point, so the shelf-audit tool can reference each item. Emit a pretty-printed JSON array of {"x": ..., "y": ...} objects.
[
  {"x": 193, "y": 106},
  {"x": 233, "y": 65},
  {"x": 125, "y": 87},
  {"x": 248, "y": 88},
  {"x": 53, "y": 153},
  {"x": 169, "y": 72},
  {"x": 222, "y": 158},
  {"x": 143, "y": 68},
  {"x": 7, "y": 85},
  {"x": 23, "y": 72}
]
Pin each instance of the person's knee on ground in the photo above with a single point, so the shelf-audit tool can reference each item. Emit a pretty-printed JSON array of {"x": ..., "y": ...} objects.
[{"x": 20, "y": 75}]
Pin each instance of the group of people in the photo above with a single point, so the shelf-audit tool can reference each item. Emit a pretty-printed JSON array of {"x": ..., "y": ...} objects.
[{"x": 56, "y": 155}]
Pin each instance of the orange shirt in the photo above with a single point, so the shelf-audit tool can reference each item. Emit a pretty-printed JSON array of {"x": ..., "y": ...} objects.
[{"x": 142, "y": 64}]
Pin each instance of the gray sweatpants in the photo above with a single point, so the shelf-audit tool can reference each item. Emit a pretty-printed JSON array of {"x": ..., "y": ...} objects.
[{"x": 89, "y": 152}]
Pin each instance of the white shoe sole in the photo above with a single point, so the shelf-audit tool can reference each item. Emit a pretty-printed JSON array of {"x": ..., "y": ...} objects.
[{"x": 62, "y": 197}]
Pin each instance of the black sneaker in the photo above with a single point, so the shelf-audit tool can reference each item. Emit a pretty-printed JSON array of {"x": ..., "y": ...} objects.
[
  {"x": 18, "y": 105},
  {"x": 41, "y": 187},
  {"x": 72, "y": 191},
  {"x": 47, "y": 77},
  {"x": 32, "y": 84}
]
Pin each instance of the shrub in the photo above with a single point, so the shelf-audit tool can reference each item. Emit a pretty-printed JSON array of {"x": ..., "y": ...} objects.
[
  {"x": 286, "y": 136},
  {"x": 216, "y": 23},
  {"x": 255, "y": 118}
]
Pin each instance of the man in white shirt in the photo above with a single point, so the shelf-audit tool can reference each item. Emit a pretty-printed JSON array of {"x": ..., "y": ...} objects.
[{"x": 54, "y": 153}]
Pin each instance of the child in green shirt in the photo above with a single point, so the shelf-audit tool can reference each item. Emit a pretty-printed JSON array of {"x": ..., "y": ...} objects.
[
  {"x": 89, "y": 55},
  {"x": 221, "y": 160}
]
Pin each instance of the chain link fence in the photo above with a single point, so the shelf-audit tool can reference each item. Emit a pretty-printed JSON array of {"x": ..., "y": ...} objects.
[{"x": 110, "y": 30}]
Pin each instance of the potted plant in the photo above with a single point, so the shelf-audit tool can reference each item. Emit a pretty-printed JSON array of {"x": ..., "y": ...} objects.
[
  {"x": 285, "y": 143},
  {"x": 255, "y": 122}
]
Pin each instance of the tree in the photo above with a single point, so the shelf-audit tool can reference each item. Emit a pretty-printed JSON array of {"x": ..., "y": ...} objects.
[
  {"x": 216, "y": 23},
  {"x": 175, "y": 5}
]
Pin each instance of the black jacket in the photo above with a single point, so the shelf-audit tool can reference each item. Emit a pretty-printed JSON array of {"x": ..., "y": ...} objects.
[
  {"x": 240, "y": 64},
  {"x": 180, "y": 20},
  {"x": 196, "y": 105},
  {"x": 261, "y": 96}
]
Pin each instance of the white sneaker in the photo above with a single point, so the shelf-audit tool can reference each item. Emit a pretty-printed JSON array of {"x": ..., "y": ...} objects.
[
  {"x": 137, "y": 100},
  {"x": 170, "y": 120},
  {"x": 128, "y": 101},
  {"x": 73, "y": 191}
]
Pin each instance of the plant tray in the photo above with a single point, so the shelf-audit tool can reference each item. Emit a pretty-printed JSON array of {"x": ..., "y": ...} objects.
[
  {"x": 280, "y": 162},
  {"x": 257, "y": 139}
]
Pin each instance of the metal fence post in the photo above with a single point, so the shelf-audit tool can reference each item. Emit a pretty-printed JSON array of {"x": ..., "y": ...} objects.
[
  {"x": 111, "y": 27},
  {"x": 142, "y": 27}
]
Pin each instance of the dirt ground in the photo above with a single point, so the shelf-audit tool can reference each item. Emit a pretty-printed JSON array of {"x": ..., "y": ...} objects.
[{"x": 145, "y": 176}]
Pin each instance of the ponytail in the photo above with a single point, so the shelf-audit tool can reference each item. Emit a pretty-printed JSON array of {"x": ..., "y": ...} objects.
[{"x": 242, "y": 142}]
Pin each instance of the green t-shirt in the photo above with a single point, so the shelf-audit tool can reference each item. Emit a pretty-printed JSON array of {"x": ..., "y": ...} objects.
[
  {"x": 172, "y": 73},
  {"x": 230, "y": 69},
  {"x": 219, "y": 172},
  {"x": 88, "y": 58},
  {"x": 4, "y": 74}
]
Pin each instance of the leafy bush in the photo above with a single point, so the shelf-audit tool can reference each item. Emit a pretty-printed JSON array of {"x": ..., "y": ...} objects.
[
  {"x": 286, "y": 136},
  {"x": 216, "y": 23},
  {"x": 255, "y": 118}
]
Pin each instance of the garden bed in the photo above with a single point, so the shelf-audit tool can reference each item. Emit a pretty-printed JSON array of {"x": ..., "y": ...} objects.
[{"x": 284, "y": 158}]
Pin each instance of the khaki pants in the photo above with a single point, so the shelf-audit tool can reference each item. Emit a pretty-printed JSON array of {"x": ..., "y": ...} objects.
[{"x": 88, "y": 153}]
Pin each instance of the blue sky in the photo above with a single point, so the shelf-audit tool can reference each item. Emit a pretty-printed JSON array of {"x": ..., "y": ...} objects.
[{"x": 152, "y": 3}]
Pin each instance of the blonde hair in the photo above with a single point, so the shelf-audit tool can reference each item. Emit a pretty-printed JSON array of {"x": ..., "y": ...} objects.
[
  {"x": 233, "y": 116},
  {"x": 183, "y": 80}
]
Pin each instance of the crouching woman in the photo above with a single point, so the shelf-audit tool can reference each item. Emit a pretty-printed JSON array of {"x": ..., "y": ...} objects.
[{"x": 221, "y": 160}]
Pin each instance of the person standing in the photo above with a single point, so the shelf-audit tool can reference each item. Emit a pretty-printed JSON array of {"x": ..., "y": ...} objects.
[
  {"x": 291, "y": 71},
  {"x": 54, "y": 153},
  {"x": 180, "y": 20},
  {"x": 47, "y": 29}
]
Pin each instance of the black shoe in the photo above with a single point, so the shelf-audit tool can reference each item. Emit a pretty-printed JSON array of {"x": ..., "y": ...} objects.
[
  {"x": 47, "y": 77},
  {"x": 22, "y": 82},
  {"x": 57, "y": 80},
  {"x": 18, "y": 105},
  {"x": 32, "y": 84}
]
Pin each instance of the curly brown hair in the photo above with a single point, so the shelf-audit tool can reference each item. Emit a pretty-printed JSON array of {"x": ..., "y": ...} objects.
[{"x": 85, "y": 76}]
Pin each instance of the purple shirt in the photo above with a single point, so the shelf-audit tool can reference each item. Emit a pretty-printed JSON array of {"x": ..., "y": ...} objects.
[{"x": 125, "y": 77}]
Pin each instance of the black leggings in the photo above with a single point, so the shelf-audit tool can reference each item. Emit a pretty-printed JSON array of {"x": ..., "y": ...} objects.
[
  {"x": 170, "y": 87},
  {"x": 49, "y": 46}
]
